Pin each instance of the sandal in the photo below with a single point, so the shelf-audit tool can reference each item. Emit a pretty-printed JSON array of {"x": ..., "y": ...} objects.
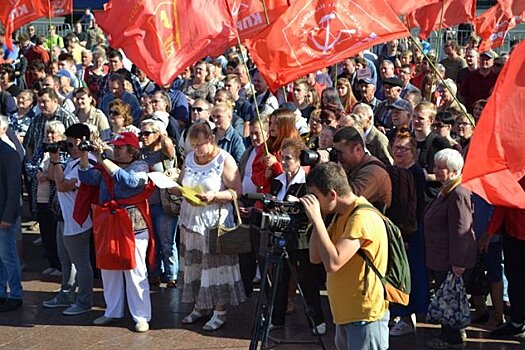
[
  {"x": 438, "y": 343},
  {"x": 216, "y": 321},
  {"x": 194, "y": 316}
]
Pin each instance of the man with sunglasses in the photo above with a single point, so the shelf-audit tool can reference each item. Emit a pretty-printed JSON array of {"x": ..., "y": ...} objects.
[{"x": 49, "y": 110}]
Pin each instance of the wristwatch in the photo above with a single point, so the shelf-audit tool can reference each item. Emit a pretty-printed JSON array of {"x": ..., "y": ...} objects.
[{"x": 103, "y": 156}]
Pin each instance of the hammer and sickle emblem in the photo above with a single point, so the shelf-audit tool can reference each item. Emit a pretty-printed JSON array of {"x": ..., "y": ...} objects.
[{"x": 330, "y": 39}]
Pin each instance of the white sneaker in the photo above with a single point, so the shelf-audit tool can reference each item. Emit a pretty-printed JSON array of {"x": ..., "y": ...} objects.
[
  {"x": 142, "y": 326},
  {"x": 321, "y": 329},
  {"x": 402, "y": 328}
]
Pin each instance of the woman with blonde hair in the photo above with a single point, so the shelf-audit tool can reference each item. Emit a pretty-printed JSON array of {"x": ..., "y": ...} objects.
[
  {"x": 158, "y": 151},
  {"x": 226, "y": 136},
  {"x": 210, "y": 281}
]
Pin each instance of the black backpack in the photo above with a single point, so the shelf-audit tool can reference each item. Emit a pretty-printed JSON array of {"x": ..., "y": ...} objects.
[{"x": 396, "y": 280}]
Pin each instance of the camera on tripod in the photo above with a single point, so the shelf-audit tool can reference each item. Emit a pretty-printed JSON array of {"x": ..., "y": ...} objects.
[
  {"x": 55, "y": 147},
  {"x": 311, "y": 158},
  {"x": 283, "y": 221}
]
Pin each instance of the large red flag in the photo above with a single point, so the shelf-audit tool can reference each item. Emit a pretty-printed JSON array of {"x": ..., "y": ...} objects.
[
  {"x": 512, "y": 7},
  {"x": 493, "y": 25},
  {"x": 164, "y": 37},
  {"x": 313, "y": 34},
  {"x": 250, "y": 16},
  {"x": 455, "y": 12},
  {"x": 402, "y": 7},
  {"x": 496, "y": 158},
  {"x": 15, "y": 13}
]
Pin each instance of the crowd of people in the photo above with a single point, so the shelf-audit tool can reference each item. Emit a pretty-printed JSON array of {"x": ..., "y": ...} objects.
[{"x": 81, "y": 127}]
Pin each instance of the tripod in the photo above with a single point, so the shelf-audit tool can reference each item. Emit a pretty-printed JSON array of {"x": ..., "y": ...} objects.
[{"x": 266, "y": 301}]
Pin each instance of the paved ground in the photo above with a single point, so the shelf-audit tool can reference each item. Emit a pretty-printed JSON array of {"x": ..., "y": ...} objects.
[{"x": 34, "y": 327}]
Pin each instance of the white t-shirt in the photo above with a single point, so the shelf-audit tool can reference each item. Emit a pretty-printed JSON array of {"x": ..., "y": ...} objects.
[
  {"x": 247, "y": 183},
  {"x": 67, "y": 200}
]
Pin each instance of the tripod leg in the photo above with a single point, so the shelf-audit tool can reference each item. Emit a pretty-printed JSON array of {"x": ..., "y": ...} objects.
[
  {"x": 307, "y": 310},
  {"x": 262, "y": 305},
  {"x": 277, "y": 262}
]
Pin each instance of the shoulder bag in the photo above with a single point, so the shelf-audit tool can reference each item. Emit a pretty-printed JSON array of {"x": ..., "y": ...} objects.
[{"x": 230, "y": 240}]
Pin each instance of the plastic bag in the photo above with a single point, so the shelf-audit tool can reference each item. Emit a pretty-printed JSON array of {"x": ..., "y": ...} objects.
[
  {"x": 450, "y": 306},
  {"x": 114, "y": 237}
]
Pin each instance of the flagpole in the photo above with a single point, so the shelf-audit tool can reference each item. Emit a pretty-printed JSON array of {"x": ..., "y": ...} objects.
[
  {"x": 257, "y": 113},
  {"x": 437, "y": 46},
  {"x": 442, "y": 79}
]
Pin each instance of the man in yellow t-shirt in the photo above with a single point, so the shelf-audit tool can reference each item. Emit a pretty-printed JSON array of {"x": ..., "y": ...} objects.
[{"x": 359, "y": 309}]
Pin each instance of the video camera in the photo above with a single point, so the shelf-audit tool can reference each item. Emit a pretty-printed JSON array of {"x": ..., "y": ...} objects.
[
  {"x": 55, "y": 147},
  {"x": 284, "y": 221},
  {"x": 311, "y": 158}
]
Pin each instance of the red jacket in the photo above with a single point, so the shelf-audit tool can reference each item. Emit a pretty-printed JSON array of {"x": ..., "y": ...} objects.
[{"x": 509, "y": 220}]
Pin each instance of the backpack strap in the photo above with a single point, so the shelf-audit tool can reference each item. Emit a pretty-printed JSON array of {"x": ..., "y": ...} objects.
[{"x": 368, "y": 263}]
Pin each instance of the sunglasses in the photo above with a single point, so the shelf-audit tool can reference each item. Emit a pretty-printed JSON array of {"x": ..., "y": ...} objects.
[
  {"x": 146, "y": 133},
  {"x": 114, "y": 113},
  {"x": 199, "y": 109}
]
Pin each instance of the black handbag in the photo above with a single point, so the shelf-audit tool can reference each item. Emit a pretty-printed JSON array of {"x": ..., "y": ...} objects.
[
  {"x": 230, "y": 240},
  {"x": 479, "y": 283}
]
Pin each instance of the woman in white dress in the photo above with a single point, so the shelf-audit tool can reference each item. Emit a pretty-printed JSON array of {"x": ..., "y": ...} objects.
[{"x": 210, "y": 281}]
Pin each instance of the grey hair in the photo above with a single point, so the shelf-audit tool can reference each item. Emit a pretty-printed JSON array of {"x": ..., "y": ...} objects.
[
  {"x": 452, "y": 159},
  {"x": 451, "y": 84},
  {"x": 365, "y": 108},
  {"x": 55, "y": 126}
]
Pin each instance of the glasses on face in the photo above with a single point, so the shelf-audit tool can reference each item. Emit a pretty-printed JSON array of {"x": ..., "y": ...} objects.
[
  {"x": 146, "y": 133},
  {"x": 156, "y": 101},
  {"x": 114, "y": 113},
  {"x": 402, "y": 149},
  {"x": 463, "y": 124},
  {"x": 199, "y": 109},
  {"x": 315, "y": 120}
]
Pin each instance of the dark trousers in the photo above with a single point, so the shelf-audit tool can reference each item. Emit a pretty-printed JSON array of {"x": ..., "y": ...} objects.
[
  {"x": 48, "y": 228},
  {"x": 308, "y": 281},
  {"x": 514, "y": 255},
  {"x": 449, "y": 334}
]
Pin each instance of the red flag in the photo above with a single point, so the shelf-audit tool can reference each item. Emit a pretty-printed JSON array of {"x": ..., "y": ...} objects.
[
  {"x": 15, "y": 13},
  {"x": 57, "y": 8},
  {"x": 402, "y": 7},
  {"x": 313, "y": 34},
  {"x": 496, "y": 160},
  {"x": 455, "y": 12},
  {"x": 512, "y": 7},
  {"x": 250, "y": 17},
  {"x": 164, "y": 37},
  {"x": 493, "y": 25}
]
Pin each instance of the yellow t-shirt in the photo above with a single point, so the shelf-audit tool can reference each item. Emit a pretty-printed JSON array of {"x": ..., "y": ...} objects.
[{"x": 345, "y": 287}]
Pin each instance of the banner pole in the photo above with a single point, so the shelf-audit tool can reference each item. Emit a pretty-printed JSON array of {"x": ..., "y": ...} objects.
[
  {"x": 257, "y": 113},
  {"x": 437, "y": 46},
  {"x": 442, "y": 79}
]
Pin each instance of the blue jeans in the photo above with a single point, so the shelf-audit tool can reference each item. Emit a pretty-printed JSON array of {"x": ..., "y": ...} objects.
[
  {"x": 10, "y": 275},
  {"x": 166, "y": 254},
  {"x": 363, "y": 335}
]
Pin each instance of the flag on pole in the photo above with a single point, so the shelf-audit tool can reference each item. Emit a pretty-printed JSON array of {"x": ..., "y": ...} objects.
[
  {"x": 402, "y": 7},
  {"x": 493, "y": 25},
  {"x": 164, "y": 37},
  {"x": 15, "y": 13},
  {"x": 250, "y": 16},
  {"x": 496, "y": 160},
  {"x": 428, "y": 18},
  {"x": 313, "y": 34}
]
